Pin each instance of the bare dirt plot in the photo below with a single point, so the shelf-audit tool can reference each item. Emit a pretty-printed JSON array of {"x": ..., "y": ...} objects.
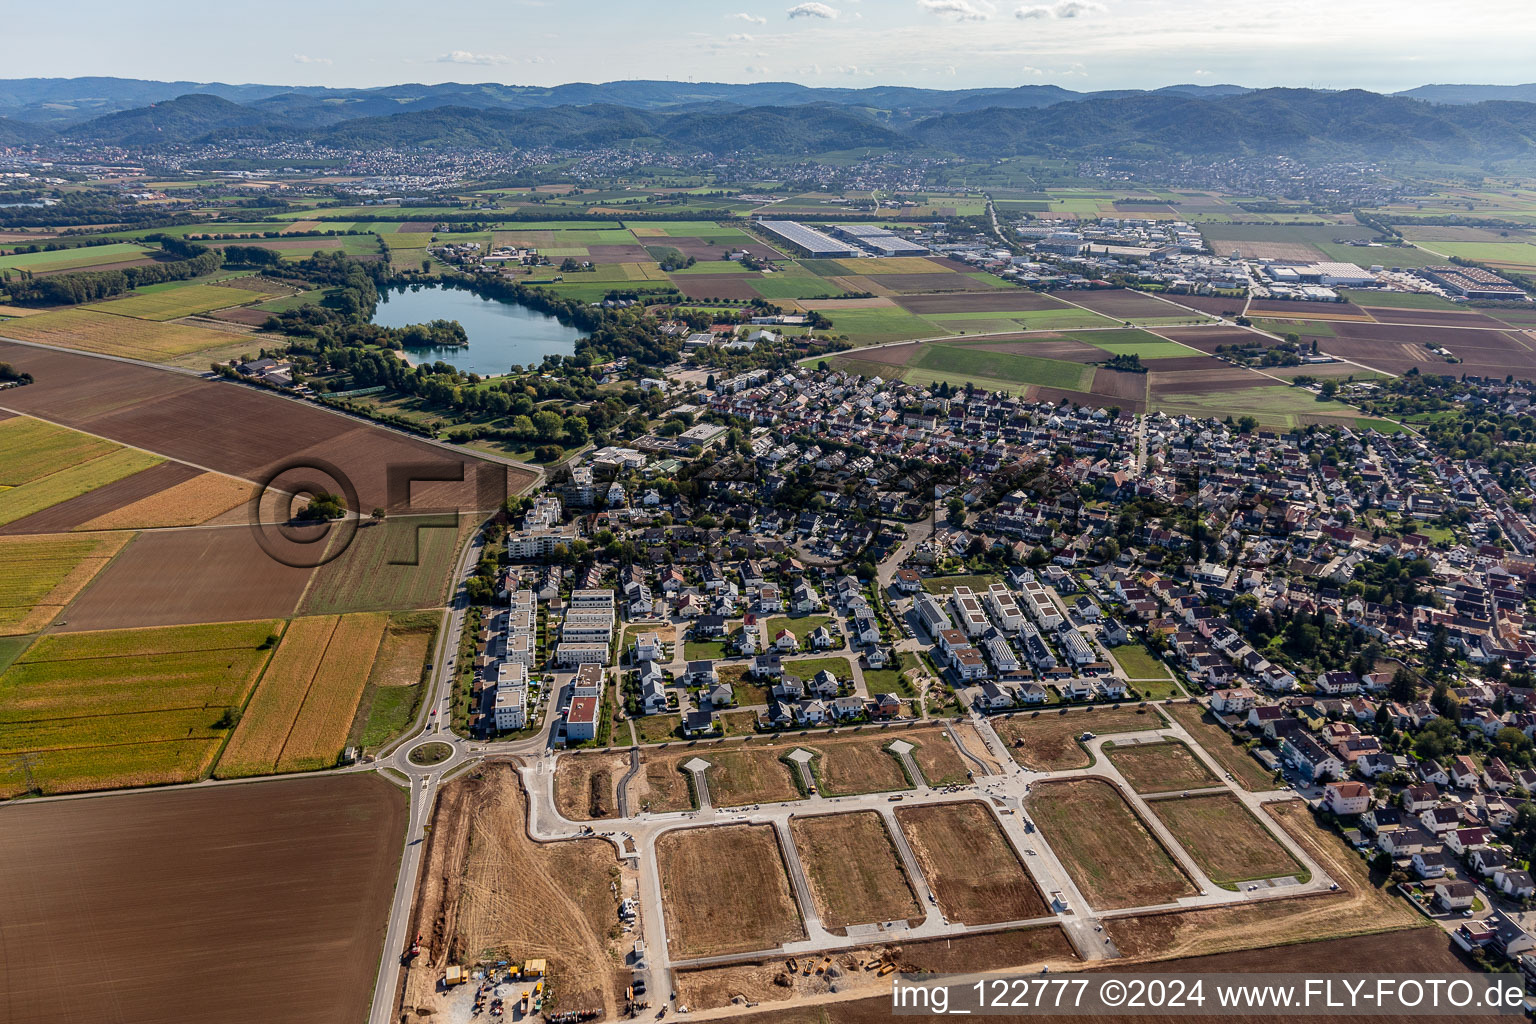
[
  {"x": 969, "y": 864},
  {"x": 214, "y": 575},
  {"x": 1186, "y": 382},
  {"x": 1217, "y": 742},
  {"x": 833, "y": 305},
  {"x": 1250, "y": 250},
  {"x": 742, "y": 775},
  {"x": 992, "y": 301},
  {"x": 1112, "y": 856},
  {"x": 1048, "y": 741},
  {"x": 76, "y": 512},
  {"x": 1207, "y": 338},
  {"x": 587, "y": 785},
  {"x": 1122, "y": 303},
  {"x": 760, "y": 913},
  {"x": 715, "y": 286},
  {"x": 661, "y": 785},
  {"x": 1424, "y": 951},
  {"x": 486, "y": 889},
  {"x": 1216, "y": 305},
  {"x": 936, "y": 756},
  {"x": 1044, "y": 346},
  {"x": 974, "y": 745},
  {"x": 914, "y": 284},
  {"x": 1224, "y": 839},
  {"x": 189, "y": 502},
  {"x": 1129, "y": 386},
  {"x": 242, "y": 315},
  {"x": 856, "y": 763},
  {"x": 1431, "y": 317},
  {"x": 289, "y": 881},
  {"x": 1395, "y": 348},
  {"x": 227, "y": 428},
  {"x": 1183, "y": 364},
  {"x": 1360, "y": 907},
  {"x": 618, "y": 253},
  {"x": 1160, "y": 767},
  {"x": 855, "y": 874},
  {"x": 1287, "y": 308}
]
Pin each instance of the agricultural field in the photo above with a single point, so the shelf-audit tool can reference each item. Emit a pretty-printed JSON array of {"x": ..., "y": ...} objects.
[
  {"x": 856, "y": 763},
  {"x": 1160, "y": 767},
  {"x": 191, "y": 502},
  {"x": 1112, "y": 856},
  {"x": 855, "y": 874},
  {"x": 749, "y": 774},
  {"x": 299, "y": 716},
  {"x": 736, "y": 918},
  {"x": 160, "y": 704},
  {"x": 1048, "y": 741},
  {"x": 403, "y": 563},
  {"x": 1225, "y": 839},
  {"x": 40, "y": 575},
  {"x": 289, "y": 881},
  {"x": 19, "y": 502},
  {"x": 80, "y": 258},
  {"x": 586, "y": 785},
  {"x": 969, "y": 864},
  {"x": 178, "y": 301},
  {"x": 1217, "y": 742},
  {"x": 396, "y": 683},
  {"x": 1288, "y": 241},
  {"x": 31, "y": 449},
  {"x": 92, "y": 330}
]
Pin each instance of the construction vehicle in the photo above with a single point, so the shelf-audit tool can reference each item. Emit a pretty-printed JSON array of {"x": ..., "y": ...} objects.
[
  {"x": 870, "y": 965},
  {"x": 527, "y": 1003},
  {"x": 792, "y": 964},
  {"x": 887, "y": 969},
  {"x": 455, "y": 975},
  {"x": 412, "y": 951}
]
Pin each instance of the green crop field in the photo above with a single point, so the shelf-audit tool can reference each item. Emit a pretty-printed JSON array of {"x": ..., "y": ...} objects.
[
  {"x": 1515, "y": 255},
  {"x": 71, "y": 259},
  {"x": 125, "y": 707},
  {"x": 388, "y": 567},
  {"x": 19, "y": 502},
  {"x": 1028, "y": 319},
  {"x": 794, "y": 286},
  {"x": 41, "y": 573},
  {"x": 958, "y": 363},
  {"x": 1273, "y": 406},
  {"x": 874, "y": 326},
  {"x": 31, "y": 449},
  {"x": 177, "y": 302},
  {"x": 1399, "y": 300}
]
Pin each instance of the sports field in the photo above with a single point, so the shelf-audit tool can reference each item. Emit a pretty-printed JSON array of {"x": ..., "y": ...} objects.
[{"x": 126, "y": 707}]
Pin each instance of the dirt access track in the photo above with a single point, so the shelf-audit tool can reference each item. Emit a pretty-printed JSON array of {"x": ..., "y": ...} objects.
[
  {"x": 242, "y": 431},
  {"x": 261, "y": 903}
]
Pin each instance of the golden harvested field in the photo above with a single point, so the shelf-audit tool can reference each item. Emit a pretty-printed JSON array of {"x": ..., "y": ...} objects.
[
  {"x": 891, "y": 265},
  {"x": 92, "y": 331},
  {"x": 258, "y": 742},
  {"x": 320, "y": 731},
  {"x": 300, "y": 714},
  {"x": 1112, "y": 856},
  {"x": 39, "y": 575},
  {"x": 1225, "y": 840},
  {"x": 1047, "y": 741},
  {"x": 82, "y": 711},
  {"x": 586, "y": 785},
  {"x": 1217, "y": 742},
  {"x": 857, "y": 763},
  {"x": 189, "y": 503},
  {"x": 855, "y": 874},
  {"x": 31, "y": 449},
  {"x": 970, "y": 865},
  {"x": 707, "y": 916},
  {"x": 1160, "y": 767},
  {"x": 741, "y": 775},
  {"x": 177, "y": 302}
]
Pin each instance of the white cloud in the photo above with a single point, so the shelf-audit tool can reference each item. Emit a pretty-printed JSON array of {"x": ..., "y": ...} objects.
[
  {"x": 751, "y": 18},
  {"x": 757, "y": 69},
  {"x": 813, "y": 10},
  {"x": 300, "y": 58},
  {"x": 1061, "y": 9},
  {"x": 852, "y": 69},
  {"x": 738, "y": 37},
  {"x": 465, "y": 57},
  {"x": 962, "y": 10}
]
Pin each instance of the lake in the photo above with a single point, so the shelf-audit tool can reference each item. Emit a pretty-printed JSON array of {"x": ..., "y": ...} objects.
[{"x": 500, "y": 333}]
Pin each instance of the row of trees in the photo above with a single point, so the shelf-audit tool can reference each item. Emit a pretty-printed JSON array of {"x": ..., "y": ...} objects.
[{"x": 94, "y": 285}]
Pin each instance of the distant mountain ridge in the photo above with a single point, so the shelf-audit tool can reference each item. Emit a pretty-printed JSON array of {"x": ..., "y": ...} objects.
[{"x": 782, "y": 119}]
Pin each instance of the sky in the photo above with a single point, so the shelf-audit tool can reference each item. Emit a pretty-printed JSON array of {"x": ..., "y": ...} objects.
[{"x": 1383, "y": 45}]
